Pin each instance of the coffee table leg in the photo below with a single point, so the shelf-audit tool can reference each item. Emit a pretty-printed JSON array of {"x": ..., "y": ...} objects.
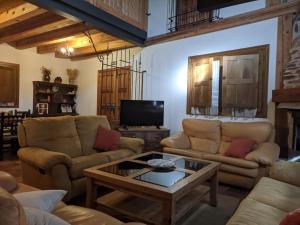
[
  {"x": 214, "y": 184},
  {"x": 91, "y": 193},
  {"x": 168, "y": 212}
]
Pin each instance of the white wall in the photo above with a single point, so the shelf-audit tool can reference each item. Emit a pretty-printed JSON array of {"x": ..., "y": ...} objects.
[
  {"x": 167, "y": 64},
  {"x": 157, "y": 21},
  {"x": 87, "y": 80},
  {"x": 30, "y": 70}
]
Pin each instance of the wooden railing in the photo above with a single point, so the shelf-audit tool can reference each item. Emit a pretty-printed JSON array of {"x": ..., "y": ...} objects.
[{"x": 131, "y": 11}]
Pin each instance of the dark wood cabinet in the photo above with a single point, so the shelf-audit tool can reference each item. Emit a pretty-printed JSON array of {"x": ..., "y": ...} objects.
[
  {"x": 151, "y": 136},
  {"x": 53, "y": 99}
]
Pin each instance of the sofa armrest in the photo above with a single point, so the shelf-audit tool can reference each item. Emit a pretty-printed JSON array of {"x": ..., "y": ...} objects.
[
  {"x": 265, "y": 154},
  {"x": 180, "y": 141},
  {"x": 286, "y": 172},
  {"x": 134, "y": 144},
  {"x": 43, "y": 159}
]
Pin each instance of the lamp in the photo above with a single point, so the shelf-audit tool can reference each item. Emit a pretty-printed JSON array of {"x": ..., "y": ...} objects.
[{"x": 67, "y": 51}]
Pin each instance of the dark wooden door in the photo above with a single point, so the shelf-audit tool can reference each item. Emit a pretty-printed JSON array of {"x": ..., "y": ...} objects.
[
  {"x": 113, "y": 86},
  {"x": 240, "y": 82},
  {"x": 9, "y": 85}
]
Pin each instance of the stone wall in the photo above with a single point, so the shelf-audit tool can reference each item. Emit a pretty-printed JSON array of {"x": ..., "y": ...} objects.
[{"x": 291, "y": 75}]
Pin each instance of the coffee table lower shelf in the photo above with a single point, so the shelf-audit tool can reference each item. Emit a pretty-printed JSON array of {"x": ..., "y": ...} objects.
[{"x": 135, "y": 208}]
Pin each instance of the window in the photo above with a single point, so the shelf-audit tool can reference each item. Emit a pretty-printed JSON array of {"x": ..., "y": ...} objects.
[{"x": 233, "y": 83}]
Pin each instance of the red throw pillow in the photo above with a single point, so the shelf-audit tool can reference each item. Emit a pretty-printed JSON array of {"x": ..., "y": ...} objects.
[
  {"x": 239, "y": 148},
  {"x": 107, "y": 139},
  {"x": 293, "y": 218}
]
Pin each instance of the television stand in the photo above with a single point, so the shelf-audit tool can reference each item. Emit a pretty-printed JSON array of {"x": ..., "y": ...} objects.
[{"x": 151, "y": 135}]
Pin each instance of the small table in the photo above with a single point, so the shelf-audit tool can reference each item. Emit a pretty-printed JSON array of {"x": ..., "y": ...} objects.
[{"x": 144, "y": 194}]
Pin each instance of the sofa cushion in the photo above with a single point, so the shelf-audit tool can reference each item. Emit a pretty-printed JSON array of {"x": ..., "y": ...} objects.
[
  {"x": 107, "y": 139},
  {"x": 204, "y": 134},
  {"x": 278, "y": 194},
  {"x": 39, "y": 217},
  {"x": 83, "y": 162},
  {"x": 188, "y": 152},
  {"x": 239, "y": 170},
  {"x": 57, "y": 134},
  {"x": 239, "y": 148},
  {"x": 258, "y": 131},
  {"x": 11, "y": 212},
  {"x": 231, "y": 161},
  {"x": 87, "y": 127},
  {"x": 76, "y": 215},
  {"x": 118, "y": 154},
  {"x": 252, "y": 212}
]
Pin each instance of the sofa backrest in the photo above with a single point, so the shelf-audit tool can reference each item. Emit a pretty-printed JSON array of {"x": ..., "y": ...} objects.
[
  {"x": 204, "y": 135},
  {"x": 87, "y": 127},
  {"x": 258, "y": 131},
  {"x": 57, "y": 134}
]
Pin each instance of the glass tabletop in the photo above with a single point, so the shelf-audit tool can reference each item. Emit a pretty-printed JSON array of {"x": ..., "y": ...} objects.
[
  {"x": 124, "y": 169},
  {"x": 162, "y": 178},
  {"x": 189, "y": 164},
  {"x": 156, "y": 156},
  {"x": 165, "y": 178}
]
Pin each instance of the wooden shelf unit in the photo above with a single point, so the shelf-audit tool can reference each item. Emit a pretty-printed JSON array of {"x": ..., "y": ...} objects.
[
  {"x": 54, "y": 94},
  {"x": 151, "y": 135}
]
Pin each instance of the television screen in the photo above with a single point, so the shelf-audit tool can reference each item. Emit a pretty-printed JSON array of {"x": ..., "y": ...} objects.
[
  {"x": 141, "y": 113},
  {"x": 208, "y": 5}
]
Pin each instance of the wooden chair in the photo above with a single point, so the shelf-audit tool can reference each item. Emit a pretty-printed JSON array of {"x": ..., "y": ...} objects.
[{"x": 8, "y": 132}]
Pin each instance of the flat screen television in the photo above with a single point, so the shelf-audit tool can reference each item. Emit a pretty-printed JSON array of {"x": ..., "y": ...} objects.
[
  {"x": 141, "y": 113},
  {"x": 208, "y": 5}
]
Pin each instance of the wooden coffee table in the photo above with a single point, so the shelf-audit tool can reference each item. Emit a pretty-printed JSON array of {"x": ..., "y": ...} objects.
[{"x": 144, "y": 194}]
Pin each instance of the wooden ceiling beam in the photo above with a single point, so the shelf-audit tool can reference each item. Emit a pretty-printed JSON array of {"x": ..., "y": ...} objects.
[
  {"x": 78, "y": 42},
  {"x": 41, "y": 39},
  {"x": 19, "y": 13},
  {"x": 84, "y": 52},
  {"x": 6, "y": 5},
  {"x": 33, "y": 26}
]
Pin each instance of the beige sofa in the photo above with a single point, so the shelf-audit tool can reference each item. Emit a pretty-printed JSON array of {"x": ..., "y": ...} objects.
[
  {"x": 11, "y": 212},
  {"x": 55, "y": 151},
  {"x": 272, "y": 198},
  {"x": 209, "y": 139}
]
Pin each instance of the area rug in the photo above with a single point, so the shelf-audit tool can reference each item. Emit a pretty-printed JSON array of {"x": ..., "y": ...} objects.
[{"x": 208, "y": 215}]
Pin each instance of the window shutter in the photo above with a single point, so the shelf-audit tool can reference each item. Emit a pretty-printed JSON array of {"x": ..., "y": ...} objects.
[{"x": 240, "y": 82}]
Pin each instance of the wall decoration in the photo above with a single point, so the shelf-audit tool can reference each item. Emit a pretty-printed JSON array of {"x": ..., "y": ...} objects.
[
  {"x": 42, "y": 108},
  {"x": 66, "y": 108},
  {"x": 58, "y": 80},
  {"x": 73, "y": 74},
  {"x": 46, "y": 74}
]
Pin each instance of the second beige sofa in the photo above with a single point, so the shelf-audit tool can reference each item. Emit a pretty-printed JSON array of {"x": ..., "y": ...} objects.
[
  {"x": 55, "y": 151},
  {"x": 209, "y": 139}
]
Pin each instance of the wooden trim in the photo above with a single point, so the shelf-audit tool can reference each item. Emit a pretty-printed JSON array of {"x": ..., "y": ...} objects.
[
  {"x": 284, "y": 44},
  {"x": 96, "y": 17},
  {"x": 286, "y": 95},
  {"x": 19, "y": 13},
  {"x": 230, "y": 22},
  {"x": 50, "y": 36}
]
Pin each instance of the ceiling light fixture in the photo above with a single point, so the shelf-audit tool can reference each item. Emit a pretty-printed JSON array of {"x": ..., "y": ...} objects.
[{"x": 68, "y": 51}]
